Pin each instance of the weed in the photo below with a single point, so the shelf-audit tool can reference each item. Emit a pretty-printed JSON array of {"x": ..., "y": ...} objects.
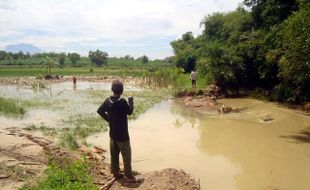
[
  {"x": 68, "y": 140},
  {"x": 9, "y": 107},
  {"x": 70, "y": 176}
]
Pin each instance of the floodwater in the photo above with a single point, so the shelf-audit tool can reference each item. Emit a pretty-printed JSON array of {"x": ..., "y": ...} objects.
[
  {"x": 235, "y": 151},
  {"x": 72, "y": 99}
]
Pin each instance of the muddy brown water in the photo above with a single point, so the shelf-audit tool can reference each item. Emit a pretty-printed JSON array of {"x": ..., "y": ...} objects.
[{"x": 237, "y": 151}]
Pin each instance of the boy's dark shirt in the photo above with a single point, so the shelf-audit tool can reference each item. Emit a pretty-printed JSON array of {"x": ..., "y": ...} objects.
[{"x": 115, "y": 110}]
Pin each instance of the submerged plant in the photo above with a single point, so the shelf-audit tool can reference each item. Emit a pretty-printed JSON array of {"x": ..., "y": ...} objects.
[{"x": 9, "y": 107}]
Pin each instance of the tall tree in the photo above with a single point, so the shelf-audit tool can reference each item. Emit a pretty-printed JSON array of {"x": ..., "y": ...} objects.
[
  {"x": 98, "y": 57},
  {"x": 62, "y": 59},
  {"x": 74, "y": 57},
  {"x": 294, "y": 63},
  {"x": 267, "y": 13},
  {"x": 144, "y": 59}
]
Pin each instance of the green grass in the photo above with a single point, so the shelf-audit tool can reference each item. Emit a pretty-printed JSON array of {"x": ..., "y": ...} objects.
[
  {"x": 98, "y": 71},
  {"x": 9, "y": 107},
  {"x": 91, "y": 123},
  {"x": 68, "y": 177},
  {"x": 68, "y": 140}
]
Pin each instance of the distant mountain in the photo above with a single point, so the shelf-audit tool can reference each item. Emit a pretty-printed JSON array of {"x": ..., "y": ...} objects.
[{"x": 23, "y": 47}]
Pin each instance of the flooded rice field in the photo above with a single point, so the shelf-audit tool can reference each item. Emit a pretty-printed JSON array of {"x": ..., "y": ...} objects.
[
  {"x": 237, "y": 151},
  {"x": 56, "y": 102}
]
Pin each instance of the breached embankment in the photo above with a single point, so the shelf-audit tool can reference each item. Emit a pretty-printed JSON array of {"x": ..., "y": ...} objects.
[{"x": 24, "y": 157}]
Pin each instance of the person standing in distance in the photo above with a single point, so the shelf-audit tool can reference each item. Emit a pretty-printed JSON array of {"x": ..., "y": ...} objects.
[
  {"x": 115, "y": 110},
  {"x": 193, "y": 77}
]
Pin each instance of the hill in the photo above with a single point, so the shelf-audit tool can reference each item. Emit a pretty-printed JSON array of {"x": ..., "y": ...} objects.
[{"x": 23, "y": 47}]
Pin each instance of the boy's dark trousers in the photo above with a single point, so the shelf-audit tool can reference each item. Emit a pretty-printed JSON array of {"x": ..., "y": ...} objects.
[{"x": 124, "y": 148}]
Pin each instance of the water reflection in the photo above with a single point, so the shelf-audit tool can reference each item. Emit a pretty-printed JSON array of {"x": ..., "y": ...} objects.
[
  {"x": 184, "y": 115},
  {"x": 74, "y": 86},
  {"x": 265, "y": 160}
]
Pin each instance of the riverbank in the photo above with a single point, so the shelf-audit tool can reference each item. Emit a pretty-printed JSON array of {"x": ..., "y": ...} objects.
[
  {"x": 205, "y": 101},
  {"x": 24, "y": 156}
]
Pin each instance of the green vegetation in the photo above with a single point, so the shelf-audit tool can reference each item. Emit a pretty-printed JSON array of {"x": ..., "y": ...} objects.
[
  {"x": 266, "y": 47},
  {"x": 68, "y": 140},
  {"x": 98, "y": 57},
  {"x": 66, "y": 177},
  {"x": 9, "y": 107},
  {"x": 73, "y": 59},
  {"x": 49, "y": 63},
  {"x": 134, "y": 71}
]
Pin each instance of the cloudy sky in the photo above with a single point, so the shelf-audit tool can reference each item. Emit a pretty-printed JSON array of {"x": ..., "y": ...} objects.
[{"x": 119, "y": 27}]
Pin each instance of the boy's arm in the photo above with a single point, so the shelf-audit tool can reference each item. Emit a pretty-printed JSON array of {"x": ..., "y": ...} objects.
[
  {"x": 129, "y": 106},
  {"x": 102, "y": 111}
]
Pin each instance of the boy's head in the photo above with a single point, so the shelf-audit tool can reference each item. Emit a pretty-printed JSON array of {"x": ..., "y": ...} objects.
[{"x": 117, "y": 87}]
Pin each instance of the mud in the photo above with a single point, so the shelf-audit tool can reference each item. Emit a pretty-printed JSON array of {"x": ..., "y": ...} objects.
[{"x": 24, "y": 156}]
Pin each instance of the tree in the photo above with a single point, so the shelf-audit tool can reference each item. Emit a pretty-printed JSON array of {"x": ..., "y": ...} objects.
[
  {"x": 144, "y": 59},
  {"x": 3, "y": 55},
  {"x": 128, "y": 57},
  {"x": 267, "y": 13},
  {"x": 184, "y": 50},
  {"x": 294, "y": 64},
  {"x": 49, "y": 62},
  {"x": 188, "y": 36},
  {"x": 98, "y": 57},
  {"x": 62, "y": 59},
  {"x": 74, "y": 57}
]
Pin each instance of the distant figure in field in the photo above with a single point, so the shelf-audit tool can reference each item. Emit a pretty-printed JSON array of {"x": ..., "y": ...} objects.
[
  {"x": 115, "y": 110},
  {"x": 74, "y": 80},
  {"x": 193, "y": 77}
]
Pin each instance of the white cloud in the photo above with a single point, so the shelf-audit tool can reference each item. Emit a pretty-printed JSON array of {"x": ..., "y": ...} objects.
[{"x": 79, "y": 21}]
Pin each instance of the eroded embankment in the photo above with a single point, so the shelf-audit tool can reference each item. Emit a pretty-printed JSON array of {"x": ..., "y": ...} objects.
[{"x": 25, "y": 156}]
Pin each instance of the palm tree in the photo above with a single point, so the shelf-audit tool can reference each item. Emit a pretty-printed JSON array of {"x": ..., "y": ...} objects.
[{"x": 49, "y": 63}]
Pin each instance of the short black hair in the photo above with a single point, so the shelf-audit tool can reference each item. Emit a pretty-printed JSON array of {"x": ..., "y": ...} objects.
[{"x": 117, "y": 87}]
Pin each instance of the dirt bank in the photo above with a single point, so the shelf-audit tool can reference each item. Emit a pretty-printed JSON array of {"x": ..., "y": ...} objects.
[{"x": 23, "y": 158}]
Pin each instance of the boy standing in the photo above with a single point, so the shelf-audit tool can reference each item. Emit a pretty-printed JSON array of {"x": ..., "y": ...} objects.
[{"x": 115, "y": 110}]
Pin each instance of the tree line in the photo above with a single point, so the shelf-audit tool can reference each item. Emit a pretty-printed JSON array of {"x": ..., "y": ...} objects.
[
  {"x": 263, "y": 44},
  {"x": 97, "y": 58}
]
